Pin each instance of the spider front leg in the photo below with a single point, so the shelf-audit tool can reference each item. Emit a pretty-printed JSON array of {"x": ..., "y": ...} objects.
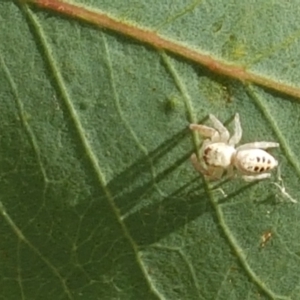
[
  {"x": 224, "y": 133},
  {"x": 212, "y": 173},
  {"x": 235, "y": 139},
  {"x": 205, "y": 131},
  {"x": 196, "y": 164},
  {"x": 194, "y": 159},
  {"x": 215, "y": 173}
]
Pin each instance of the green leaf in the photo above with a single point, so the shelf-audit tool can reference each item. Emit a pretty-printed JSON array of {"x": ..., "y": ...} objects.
[{"x": 98, "y": 196}]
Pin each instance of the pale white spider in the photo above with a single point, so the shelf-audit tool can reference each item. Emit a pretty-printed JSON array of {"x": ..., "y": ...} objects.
[{"x": 218, "y": 153}]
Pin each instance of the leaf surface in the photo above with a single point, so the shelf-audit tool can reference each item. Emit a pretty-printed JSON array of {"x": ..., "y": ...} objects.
[{"x": 99, "y": 199}]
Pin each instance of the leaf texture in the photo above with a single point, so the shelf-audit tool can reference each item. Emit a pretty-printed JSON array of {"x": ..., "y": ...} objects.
[{"x": 98, "y": 196}]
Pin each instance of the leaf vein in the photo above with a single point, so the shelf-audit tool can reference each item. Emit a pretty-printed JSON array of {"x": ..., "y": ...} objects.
[
  {"x": 81, "y": 134},
  {"x": 23, "y": 118},
  {"x": 283, "y": 142}
]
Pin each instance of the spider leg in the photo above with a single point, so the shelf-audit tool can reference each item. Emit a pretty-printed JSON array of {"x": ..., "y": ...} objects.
[
  {"x": 235, "y": 139},
  {"x": 198, "y": 167},
  {"x": 250, "y": 178},
  {"x": 205, "y": 131},
  {"x": 212, "y": 173},
  {"x": 258, "y": 145},
  {"x": 230, "y": 172},
  {"x": 224, "y": 133},
  {"x": 215, "y": 173}
]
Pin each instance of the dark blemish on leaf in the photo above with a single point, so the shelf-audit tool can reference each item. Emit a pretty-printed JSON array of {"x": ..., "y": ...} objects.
[
  {"x": 171, "y": 104},
  {"x": 262, "y": 169},
  {"x": 83, "y": 106},
  {"x": 217, "y": 26},
  {"x": 232, "y": 38},
  {"x": 269, "y": 161},
  {"x": 263, "y": 159},
  {"x": 268, "y": 168},
  {"x": 256, "y": 169},
  {"x": 258, "y": 159}
]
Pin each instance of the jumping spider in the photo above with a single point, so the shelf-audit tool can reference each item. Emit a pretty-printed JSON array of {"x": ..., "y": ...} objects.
[{"x": 218, "y": 153}]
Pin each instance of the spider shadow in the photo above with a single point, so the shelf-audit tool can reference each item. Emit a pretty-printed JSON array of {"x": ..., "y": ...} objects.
[
  {"x": 140, "y": 179},
  {"x": 189, "y": 202},
  {"x": 152, "y": 223},
  {"x": 269, "y": 199}
]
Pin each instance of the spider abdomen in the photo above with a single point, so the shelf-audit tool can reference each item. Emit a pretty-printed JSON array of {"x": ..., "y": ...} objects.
[{"x": 254, "y": 161}]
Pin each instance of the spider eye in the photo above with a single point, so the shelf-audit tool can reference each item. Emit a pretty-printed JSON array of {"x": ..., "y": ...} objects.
[{"x": 207, "y": 150}]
